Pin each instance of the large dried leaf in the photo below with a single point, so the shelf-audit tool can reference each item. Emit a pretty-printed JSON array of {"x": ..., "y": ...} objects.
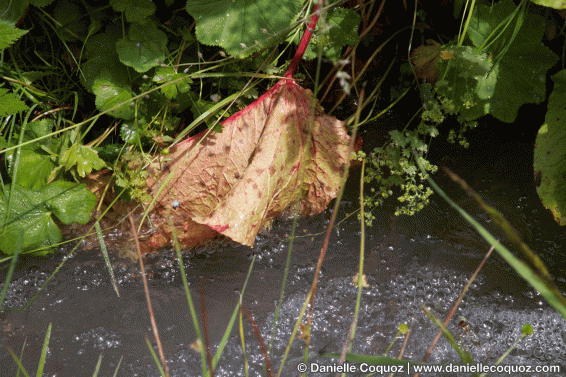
[{"x": 271, "y": 154}]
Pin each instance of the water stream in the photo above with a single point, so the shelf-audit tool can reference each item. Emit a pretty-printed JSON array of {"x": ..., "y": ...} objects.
[{"x": 410, "y": 261}]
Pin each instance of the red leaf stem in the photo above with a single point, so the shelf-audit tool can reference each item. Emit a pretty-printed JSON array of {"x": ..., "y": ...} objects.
[{"x": 304, "y": 41}]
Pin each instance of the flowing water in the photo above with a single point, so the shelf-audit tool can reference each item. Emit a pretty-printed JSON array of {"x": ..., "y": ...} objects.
[{"x": 410, "y": 261}]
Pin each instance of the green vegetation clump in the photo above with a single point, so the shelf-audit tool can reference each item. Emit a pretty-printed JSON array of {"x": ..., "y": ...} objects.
[{"x": 113, "y": 86}]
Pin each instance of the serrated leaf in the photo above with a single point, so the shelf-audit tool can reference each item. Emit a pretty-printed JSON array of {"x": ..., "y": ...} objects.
[
  {"x": 136, "y": 10},
  {"x": 37, "y": 129},
  {"x": 29, "y": 215},
  {"x": 242, "y": 27},
  {"x": 31, "y": 212},
  {"x": 34, "y": 168},
  {"x": 521, "y": 61},
  {"x": 465, "y": 78},
  {"x": 343, "y": 31},
  {"x": 9, "y": 34},
  {"x": 35, "y": 164},
  {"x": 84, "y": 157},
  {"x": 109, "y": 93},
  {"x": 12, "y": 11},
  {"x": 10, "y": 104},
  {"x": 70, "y": 202},
  {"x": 549, "y": 161},
  {"x": 478, "y": 87},
  {"x": 144, "y": 48},
  {"x": 398, "y": 138},
  {"x": 130, "y": 133},
  {"x": 340, "y": 30},
  {"x": 168, "y": 74}
]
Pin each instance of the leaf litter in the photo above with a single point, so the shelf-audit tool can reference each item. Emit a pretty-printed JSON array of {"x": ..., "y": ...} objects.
[{"x": 277, "y": 151}]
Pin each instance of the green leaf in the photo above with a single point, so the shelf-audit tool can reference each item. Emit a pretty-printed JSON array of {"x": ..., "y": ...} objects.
[
  {"x": 340, "y": 30},
  {"x": 30, "y": 212},
  {"x": 556, "y": 4},
  {"x": 101, "y": 55},
  {"x": 9, "y": 34},
  {"x": 28, "y": 215},
  {"x": 34, "y": 168},
  {"x": 10, "y": 104},
  {"x": 37, "y": 129},
  {"x": 144, "y": 48},
  {"x": 242, "y": 27},
  {"x": 41, "y": 3},
  {"x": 168, "y": 74},
  {"x": 68, "y": 13},
  {"x": 527, "y": 329},
  {"x": 31, "y": 76},
  {"x": 131, "y": 133},
  {"x": 70, "y": 202},
  {"x": 109, "y": 152},
  {"x": 550, "y": 152},
  {"x": 13, "y": 11},
  {"x": 35, "y": 164},
  {"x": 462, "y": 78},
  {"x": 136, "y": 10},
  {"x": 521, "y": 62},
  {"x": 522, "y": 76},
  {"x": 111, "y": 92},
  {"x": 84, "y": 157}
]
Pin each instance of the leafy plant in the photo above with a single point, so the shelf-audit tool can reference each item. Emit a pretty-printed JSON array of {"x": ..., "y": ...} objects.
[
  {"x": 497, "y": 64},
  {"x": 31, "y": 212},
  {"x": 503, "y": 69},
  {"x": 242, "y": 27},
  {"x": 549, "y": 162},
  {"x": 141, "y": 73}
]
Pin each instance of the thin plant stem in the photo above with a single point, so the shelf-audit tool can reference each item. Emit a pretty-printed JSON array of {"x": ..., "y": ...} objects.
[
  {"x": 404, "y": 345},
  {"x": 148, "y": 299},
  {"x": 205, "y": 332},
  {"x": 455, "y": 306},
  {"x": 360, "y": 281}
]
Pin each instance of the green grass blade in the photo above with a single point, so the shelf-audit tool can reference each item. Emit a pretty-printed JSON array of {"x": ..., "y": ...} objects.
[
  {"x": 19, "y": 362},
  {"x": 241, "y": 328},
  {"x": 21, "y": 356},
  {"x": 539, "y": 282},
  {"x": 118, "y": 366},
  {"x": 97, "y": 367},
  {"x": 282, "y": 293},
  {"x": 228, "y": 331},
  {"x": 17, "y": 251},
  {"x": 155, "y": 357},
  {"x": 196, "y": 325},
  {"x": 106, "y": 257},
  {"x": 464, "y": 355},
  {"x": 44, "y": 352}
]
